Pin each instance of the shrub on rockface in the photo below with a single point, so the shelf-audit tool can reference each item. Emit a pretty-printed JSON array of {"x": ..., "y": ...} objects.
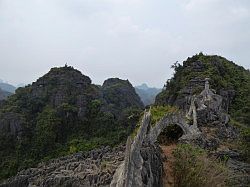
[
  {"x": 158, "y": 112},
  {"x": 193, "y": 168}
]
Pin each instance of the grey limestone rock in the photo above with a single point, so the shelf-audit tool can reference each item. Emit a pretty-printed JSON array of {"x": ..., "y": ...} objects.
[
  {"x": 94, "y": 168},
  {"x": 11, "y": 123}
]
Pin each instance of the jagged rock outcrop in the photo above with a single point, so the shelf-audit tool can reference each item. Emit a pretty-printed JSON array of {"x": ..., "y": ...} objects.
[
  {"x": 209, "y": 107},
  {"x": 142, "y": 165},
  {"x": 131, "y": 171},
  {"x": 94, "y": 168},
  {"x": 229, "y": 80},
  {"x": 138, "y": 170}
]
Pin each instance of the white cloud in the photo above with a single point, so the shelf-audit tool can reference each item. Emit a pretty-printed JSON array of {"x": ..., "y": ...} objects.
[
  {"x": 199, "y": 5},
  {"x": 134, "y": 39},
  {"x": 241, "y": 12}
]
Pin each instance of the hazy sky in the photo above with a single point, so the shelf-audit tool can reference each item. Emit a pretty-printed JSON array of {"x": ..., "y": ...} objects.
[{"x": 131, "y": 39}]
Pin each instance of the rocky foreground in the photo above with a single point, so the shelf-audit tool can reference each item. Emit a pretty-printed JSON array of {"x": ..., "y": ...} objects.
[{"x": 94, "y": 168}]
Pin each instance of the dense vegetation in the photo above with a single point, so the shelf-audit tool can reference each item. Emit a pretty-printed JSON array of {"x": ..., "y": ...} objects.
[{"x": 63, "y": 113}]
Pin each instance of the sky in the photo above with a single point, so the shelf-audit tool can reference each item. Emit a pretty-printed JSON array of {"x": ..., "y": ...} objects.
[{"x": 131, "y": 39}]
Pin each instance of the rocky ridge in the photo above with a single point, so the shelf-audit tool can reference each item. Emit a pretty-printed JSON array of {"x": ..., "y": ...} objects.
[
  {"x": 93, "y": 168},
  {"x": 229, "y": 80},
  {"x": 205, "y": 111}
]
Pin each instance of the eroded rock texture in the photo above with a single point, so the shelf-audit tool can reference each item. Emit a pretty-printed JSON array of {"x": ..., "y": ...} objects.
[
  {"x": 94, "y": 168},
  {"x": 209, "y": 129},
  {"x": 142, "y": 165}
]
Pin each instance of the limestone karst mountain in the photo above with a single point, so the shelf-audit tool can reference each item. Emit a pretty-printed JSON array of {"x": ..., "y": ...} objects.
[
  {"x": 62, "y": 113},
  {"x": 147, "y": 94},
  {"x": 120, "y": 94},
  {"x": 202, "y": 113},
  {"x": 228, "y": 79},
  {"x": 142, "y": 163}
]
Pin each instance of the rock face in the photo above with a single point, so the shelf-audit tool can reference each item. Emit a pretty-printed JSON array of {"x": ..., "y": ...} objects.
[
  {"x": 208, "y": 130},
  {"x": 11, "y": 123},
  {"x": 136, "y": 170},
  {"x": 94, "y": 168},
  {"x": 62, "y": 85},
  {"x": 142, "y": 165},
  {"x": 120, "y": 94},
  {"x": 232, "y": 85}
]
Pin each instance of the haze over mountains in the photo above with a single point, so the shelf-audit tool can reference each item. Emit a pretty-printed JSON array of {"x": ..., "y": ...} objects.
[
  {"x": 6, "y": 90},
  {"x": 7, "y": 87},
  {"x": 147, "y": 94}
]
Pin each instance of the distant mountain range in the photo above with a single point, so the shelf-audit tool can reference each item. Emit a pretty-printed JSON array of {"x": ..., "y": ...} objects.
[
  {"x": 147, "y": 94},
  {"x": 7, "y": 87},
  {"x": 4, "y": 94},
  {"x": 6, "y": 90}
]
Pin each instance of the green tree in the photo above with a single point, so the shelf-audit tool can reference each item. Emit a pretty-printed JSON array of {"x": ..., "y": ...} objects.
[{"x": 46, "y": 133}]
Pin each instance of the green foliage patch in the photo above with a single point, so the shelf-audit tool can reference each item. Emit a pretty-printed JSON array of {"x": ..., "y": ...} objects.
[
  {"x": 158, "y": 112},
  {"x": 193, "y": 168}
]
